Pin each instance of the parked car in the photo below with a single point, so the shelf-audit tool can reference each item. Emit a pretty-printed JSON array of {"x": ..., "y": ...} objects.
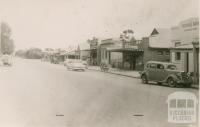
[
  {"x": 75, "y": 64},
  {"x": 164, "y": 72},
  {"x": 67, "y": 61},
  {"x": 6, "y": 60},
  {"x": 85, "y": 63}
]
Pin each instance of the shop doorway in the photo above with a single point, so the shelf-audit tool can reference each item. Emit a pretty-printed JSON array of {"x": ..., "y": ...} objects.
[
  {"x": 186, "y": 61},
  {"x": 129, "y": 61}
]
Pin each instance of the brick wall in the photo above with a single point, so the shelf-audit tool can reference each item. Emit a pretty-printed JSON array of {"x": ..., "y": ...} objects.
[{"x": 155, "y": 54}]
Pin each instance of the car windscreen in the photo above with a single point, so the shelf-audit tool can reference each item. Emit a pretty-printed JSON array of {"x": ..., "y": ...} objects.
[
  {"x": 172, "y": 67},
  {"x": 77, "y": 61}
]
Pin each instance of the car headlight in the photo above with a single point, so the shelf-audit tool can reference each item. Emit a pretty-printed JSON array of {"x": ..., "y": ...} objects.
[{"x": 179, "y": 75}]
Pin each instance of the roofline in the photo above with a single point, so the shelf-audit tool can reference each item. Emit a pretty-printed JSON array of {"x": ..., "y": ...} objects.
[
  {"x": 85, "y": 50},
  {"x": 105, "y": 43}
]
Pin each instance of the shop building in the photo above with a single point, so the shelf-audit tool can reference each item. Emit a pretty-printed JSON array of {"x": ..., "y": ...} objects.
[
  {"x": 112, "y": 58},
  {"x": 156, "y": 47},
  {"x": 183, "y": 36},
  {"x": 120, "y": 54},
  {"x": 185, "y": 51},
  {"x": 85, "y": 52},
  {"x": 93, "y": 58}
]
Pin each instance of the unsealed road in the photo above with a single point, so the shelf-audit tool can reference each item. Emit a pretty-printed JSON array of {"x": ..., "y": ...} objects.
[{"x": 40, "y": 94}]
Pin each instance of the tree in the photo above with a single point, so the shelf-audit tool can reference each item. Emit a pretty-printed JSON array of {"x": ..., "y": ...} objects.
[
  {"x": 7, "y": 44},
  {"x": 93, "y": 40},
  {"x": 127, "y": 35},
  {"x": 127, "y": 38},
  {"x": 32, "y": 53},
  {"x": 21, "y": 53}
]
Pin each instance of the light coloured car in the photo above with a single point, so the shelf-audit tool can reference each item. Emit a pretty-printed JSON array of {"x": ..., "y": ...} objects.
[
  {"x": 75, "y": 64},
  {"x": 67, "y": 61}
]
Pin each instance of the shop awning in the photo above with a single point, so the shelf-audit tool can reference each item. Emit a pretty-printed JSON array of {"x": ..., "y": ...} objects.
[{"x": 125, "y": 50}]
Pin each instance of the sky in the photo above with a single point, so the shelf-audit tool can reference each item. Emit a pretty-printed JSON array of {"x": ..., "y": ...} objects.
[{"x": 61, "y": 23}]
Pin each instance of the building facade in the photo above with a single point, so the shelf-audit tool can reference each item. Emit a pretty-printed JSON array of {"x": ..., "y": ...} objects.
[
  {"x": 120, "y": 54},
  {"x": 182, "y": 56},
  {"x": 185, "y": 32},
  {"x": 156, "y": 47},
  {"x": 154, "y": 53},
  {"x": 93, "y": 58},
  {"x": 185, "y": 51},
  {"x": 112, "y": 58}
]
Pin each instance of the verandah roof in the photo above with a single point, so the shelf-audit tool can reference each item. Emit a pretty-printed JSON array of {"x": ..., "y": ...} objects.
[{"x": 125, "y": 50}]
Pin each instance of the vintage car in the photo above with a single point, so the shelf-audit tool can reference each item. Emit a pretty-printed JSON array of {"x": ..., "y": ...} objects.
[
  {"x": 75, "y": 64},
  {"x": 164, "y": 72}
]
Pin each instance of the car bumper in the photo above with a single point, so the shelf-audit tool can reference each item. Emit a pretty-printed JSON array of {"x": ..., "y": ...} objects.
[{"x": 189, "y": 81}]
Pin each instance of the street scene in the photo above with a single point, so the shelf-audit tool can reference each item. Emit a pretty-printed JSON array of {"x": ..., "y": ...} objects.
[
  {"x": 44, "y": 94},
  {"x": 85, "y": 63}
]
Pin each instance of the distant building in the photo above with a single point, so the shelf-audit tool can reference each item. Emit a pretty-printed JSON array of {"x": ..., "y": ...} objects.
[
  {"x": 48, "y": 52},
  {"x": 85, "y": 52},
  {"x": 70, "y": 54},
  {"x": 93, "y": 59}
]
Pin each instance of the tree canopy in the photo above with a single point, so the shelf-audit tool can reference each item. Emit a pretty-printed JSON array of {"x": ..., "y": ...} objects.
[
  {"x": 32, "y": 53},
  {"x": 7, "y": 43},
  {"x": 127, "y": 36}
]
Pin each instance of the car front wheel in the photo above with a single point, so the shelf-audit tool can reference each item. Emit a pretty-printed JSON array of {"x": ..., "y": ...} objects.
[
  {"x": 171, "y": 82},
  {"x": 159, "y": 83},
  {"x": 144, "y": 79}
]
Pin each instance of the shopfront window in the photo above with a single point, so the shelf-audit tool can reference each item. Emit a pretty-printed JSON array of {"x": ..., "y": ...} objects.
[
  {"x": 160, "y": 52},
  {"x": 167, "y": 53},
  {"x": 177, "y": 56}
]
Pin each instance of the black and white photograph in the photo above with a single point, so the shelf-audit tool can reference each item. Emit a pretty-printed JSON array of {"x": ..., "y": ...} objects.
[{"x": 99, "y": 63}]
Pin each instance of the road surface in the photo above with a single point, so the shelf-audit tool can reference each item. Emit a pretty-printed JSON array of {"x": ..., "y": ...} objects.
[{"x": 40, "y": 94}]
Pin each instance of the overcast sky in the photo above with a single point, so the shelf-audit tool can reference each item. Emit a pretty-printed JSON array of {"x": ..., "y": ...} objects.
[{"x": 60, "y": 23}]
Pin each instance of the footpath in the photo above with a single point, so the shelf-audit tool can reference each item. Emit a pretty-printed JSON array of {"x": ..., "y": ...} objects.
[{"x": 127, "y": 73}]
